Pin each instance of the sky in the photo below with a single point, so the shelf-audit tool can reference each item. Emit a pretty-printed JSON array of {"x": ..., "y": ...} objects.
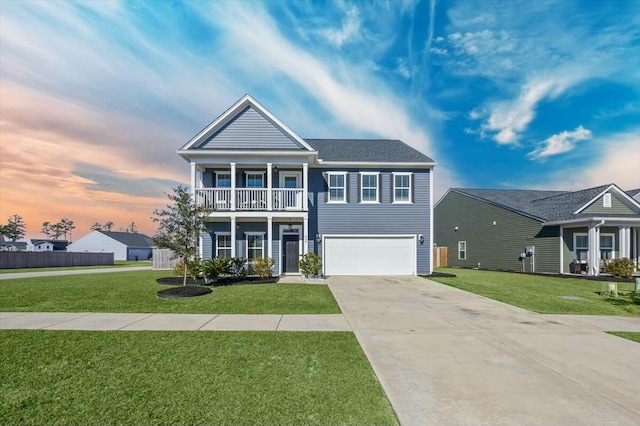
[{"x": 96, "y": 97}]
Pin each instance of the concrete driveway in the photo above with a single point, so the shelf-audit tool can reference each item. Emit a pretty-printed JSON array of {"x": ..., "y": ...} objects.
[{"x": 448, "y": 357}]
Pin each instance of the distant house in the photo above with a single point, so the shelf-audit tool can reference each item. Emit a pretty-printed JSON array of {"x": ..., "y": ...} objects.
[
  {"x": 123, "y": 245},
  {"x": 540, "y": 231},
  {"x": 49, "y": 245},
  {"x": 14, "y": 245}
]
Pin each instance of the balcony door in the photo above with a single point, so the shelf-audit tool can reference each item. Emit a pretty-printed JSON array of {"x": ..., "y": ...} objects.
[{"x": 290, "y": 196}]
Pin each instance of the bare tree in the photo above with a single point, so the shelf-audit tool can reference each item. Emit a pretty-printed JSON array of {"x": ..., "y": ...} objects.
[
  {"x": 96, "y": 226},
  {"x": 108, "y": 226},
  {"x": 15, "y": 228}
]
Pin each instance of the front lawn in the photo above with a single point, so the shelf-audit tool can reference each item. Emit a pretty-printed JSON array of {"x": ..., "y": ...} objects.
[
  {"x": 116, "y": 264},
  {"x": 544, "y": 294},
  {"x": 80, "y": 377},
  {"x": 136, "y": 291},
  {"x": 631, "y": 335}
]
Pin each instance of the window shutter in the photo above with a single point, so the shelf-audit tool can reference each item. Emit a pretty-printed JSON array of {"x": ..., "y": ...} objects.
[
  {"x": 412, "y": 183},
  {"x": 325, "y": 176}
]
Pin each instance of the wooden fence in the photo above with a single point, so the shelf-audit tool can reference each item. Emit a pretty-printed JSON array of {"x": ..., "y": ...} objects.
[
  {"x": 164, "y": 259},
  {"x": 439, "y": 257},
  {"x": 46, "y": 259}
]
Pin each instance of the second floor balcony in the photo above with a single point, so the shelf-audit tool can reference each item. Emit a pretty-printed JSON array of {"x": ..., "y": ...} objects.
[{"x": 251, "y": 199}]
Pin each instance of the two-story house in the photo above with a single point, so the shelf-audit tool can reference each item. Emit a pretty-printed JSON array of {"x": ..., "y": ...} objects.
[{"x": 364, "y": 206}]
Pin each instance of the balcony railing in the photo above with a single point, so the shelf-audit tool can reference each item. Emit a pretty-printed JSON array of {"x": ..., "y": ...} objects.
[{"x": 250, "y": 199}]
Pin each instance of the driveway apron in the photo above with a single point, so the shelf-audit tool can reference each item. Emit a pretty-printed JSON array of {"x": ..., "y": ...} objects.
[{"x": 449, "y": 357}]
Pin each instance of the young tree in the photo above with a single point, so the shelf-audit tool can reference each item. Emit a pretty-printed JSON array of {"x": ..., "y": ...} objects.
[
  {"x": 96, "y": 227},
  {"x": 179, "y": 226},
  {"x": 108, "y": 226},
  {"x": 46, "y": 229},
  {"x": 15, "y": 228},
  {"x": 132, "y": 228},
  {"x": 66, "y": 226}
]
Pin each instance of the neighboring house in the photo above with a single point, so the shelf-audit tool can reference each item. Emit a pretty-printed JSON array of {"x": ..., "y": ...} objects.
[
  {"x": 364, "y": 206},
  {"x": 540, "y": 231},
  {"x": 6, "y": 245},
  {"x": 123, "y": 245},
  {"x": 49, "y": 245}
]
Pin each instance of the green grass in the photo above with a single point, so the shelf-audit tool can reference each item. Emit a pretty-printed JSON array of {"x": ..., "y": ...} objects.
[
  {"x": 631, "y": 335},
  {"x": 135, "y": 291},
  {"x": 116, "y": 264},
  {"x": 80, "y": 377},
  {"x": 543, "y": 294}
]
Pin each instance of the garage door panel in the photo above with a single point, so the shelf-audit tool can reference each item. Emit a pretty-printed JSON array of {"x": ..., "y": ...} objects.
[{"x": 369, "y": 255}]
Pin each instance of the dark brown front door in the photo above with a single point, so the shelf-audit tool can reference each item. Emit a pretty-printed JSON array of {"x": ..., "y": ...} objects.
[{"x": 290, "y": 254}]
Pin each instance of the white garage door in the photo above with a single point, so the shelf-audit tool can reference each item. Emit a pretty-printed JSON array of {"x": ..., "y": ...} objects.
[{"x": 375, "y": 255}]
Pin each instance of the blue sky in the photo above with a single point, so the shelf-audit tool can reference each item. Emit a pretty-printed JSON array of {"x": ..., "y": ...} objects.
[{"x": 97, "y": 96}]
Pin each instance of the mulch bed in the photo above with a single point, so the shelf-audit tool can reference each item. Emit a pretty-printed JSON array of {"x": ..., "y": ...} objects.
[
  {"x": 184, "y": 291},
  {"x": 177, "y": 281}
]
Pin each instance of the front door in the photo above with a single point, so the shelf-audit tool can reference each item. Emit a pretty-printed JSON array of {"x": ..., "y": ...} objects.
[{"x": 290, "y": 254}]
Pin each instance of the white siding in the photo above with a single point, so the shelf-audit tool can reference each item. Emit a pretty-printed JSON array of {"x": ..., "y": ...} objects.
[{"x": 97, "y": 242}]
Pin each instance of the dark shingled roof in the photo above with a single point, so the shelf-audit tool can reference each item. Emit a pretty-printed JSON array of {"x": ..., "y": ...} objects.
[
  {"x": 367, "y": 150},
  {"x": 130, "y": 239},
  {"x": 546, "y": 206}
]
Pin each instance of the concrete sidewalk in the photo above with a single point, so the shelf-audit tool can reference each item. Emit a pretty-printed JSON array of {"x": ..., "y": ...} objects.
[
  {"x": 12, "y": 275},
  {"x": 449, "y": 357},
  {"x": 136, "y": 321}
]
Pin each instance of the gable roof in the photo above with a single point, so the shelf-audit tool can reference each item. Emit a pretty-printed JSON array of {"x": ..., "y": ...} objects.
[
  {"x": 546, "y": 206},
  {"x": 367, "y": 150},
  {"x": 246, "y": 109},
  {"x": 57, "y": 244},
  {"x": 129, "y": 239}
]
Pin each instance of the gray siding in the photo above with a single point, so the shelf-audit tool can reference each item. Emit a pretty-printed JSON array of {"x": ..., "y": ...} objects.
[
  {"x": 568, "y": 234},
  {"x": 617, "y": 207},
  {"x": 250, "y": 130},
  {"x": 384, "y": 218},
  {"x": 493, "y": 246}
]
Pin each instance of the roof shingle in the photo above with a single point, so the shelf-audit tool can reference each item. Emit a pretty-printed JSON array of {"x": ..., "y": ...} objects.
[{"x": 367, "y": 150}]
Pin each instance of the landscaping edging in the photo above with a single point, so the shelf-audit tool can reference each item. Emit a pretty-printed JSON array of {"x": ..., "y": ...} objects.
[{"x": 177, "y": 281}]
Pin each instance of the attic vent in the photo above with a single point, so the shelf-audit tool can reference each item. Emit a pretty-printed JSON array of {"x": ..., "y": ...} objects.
[{"x": 606, "y": 200}]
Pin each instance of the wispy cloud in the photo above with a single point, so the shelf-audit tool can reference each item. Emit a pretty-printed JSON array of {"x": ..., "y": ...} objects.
[
  {"x": 347, "y": 32},
  {"x": 560, "y": 143}
]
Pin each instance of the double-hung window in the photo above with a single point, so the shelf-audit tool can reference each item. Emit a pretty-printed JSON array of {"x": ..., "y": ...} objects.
[
  {"x": 607, "y": 246},
  {"x": 255, "y": 247},
  {"x": 402, "y": 187},
  {"x": 336, "y": 183},
  {"x": 462, "y": 250},
  {"x": 223, "y": 180},
  {"x": 581, "y": 247},
  {"x": 255, "y": 180},
  {"x": 369, "y": 187},
  {"x": 223, "y": 245}
]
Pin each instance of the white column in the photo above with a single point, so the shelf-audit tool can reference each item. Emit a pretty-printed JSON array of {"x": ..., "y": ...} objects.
[
  {"x": 233, "y": 236},
  {"x": 625, "y": 241},
  {"x": 193, "y": 180},
  {"x": 305, "y": 188},
  {"x": 200, "y": 248},
  {"x": 233, "y": 189},
  {"x": 199, "y": 178},
  {"x": 269, "y": 237},
  {"x": 269, "y": 188},
  {"x": 561, "y": 250},
  {"x": 305, "y": 235},
  {"x": 594, "y": 250}
]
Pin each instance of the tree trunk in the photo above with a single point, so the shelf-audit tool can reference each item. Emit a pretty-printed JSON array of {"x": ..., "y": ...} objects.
[{"x": 184, "y": 281}]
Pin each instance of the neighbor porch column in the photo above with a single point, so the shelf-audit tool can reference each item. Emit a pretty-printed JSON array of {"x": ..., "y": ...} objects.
[
  {"x": 269, "y": 237},
  {"x": 561, "y": 250},
  {"x": 233, "y": 189},
  {"x": 305, "y": 236},
  {"x": 233, "y": 237},
  {"x": 625, "y": 241},
  {"x": 305, "y": 188},
  {"x": 269, "y": 187},
  {"x": 594, "y": 250},
  {"x": 193, "y": 180}
]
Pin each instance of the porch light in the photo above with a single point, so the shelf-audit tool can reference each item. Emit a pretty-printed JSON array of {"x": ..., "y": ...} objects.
[
  {"x": 275, "y": 169},
  {"x": 421, "y": 238},
  {"x": 290, "y": 226},
  {"x": 318, "y": 238}
]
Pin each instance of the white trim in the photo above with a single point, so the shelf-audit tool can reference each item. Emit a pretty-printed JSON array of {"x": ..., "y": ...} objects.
[
  {"x": 465, "y": 250},
  {"x": 289, "y": 173},
  {"x": 216, "y": 248},
  {"x": 296, "y": 229},
  {"x": 382, "y": 164},
  {"x": 610, "y": 220},
  {"x": 613, "y": 245},
  {"x": 561, "y": 250},
  {"x": 575, "y": 255},
  {"x": 377, "y": 187},
  {"x": 393, "y": 195},
  {"x": 344, "y": 187},
  {"x": 609, "y": 188},
  {"x": 234, "y": 243},
  {"x": 221, "y": 173},
  {"x": 407, "y": 236},
  {"x": 246, "y": 239},
  {"x": 606, "y": 200},
  {"x": 234, "y": 110},
  {"x": 431, "y": 207},
  {"x": 270, "y": 237}
]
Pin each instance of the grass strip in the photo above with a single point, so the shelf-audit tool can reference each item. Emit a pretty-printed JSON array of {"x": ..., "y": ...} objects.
[
  {"x": 116, "y": 264},
  {"x": 544, "y": 294},
  {"x": 630, "y": 335},
  {"x": 136, "y": 291},
  {"x": 80, "y": 377}
]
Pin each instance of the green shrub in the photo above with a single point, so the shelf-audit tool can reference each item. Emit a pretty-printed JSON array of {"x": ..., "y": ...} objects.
[
  {"x": 217, "y": 266},
  {"x": 238, "y": 267},
  {"x": 621, "y": 267},
  {"x": 263, "y": 266},
  {"x": 194, "y": 267},
  {"x": 310, "y": 264}
]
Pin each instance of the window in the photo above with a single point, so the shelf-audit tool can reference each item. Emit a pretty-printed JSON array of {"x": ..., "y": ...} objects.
[
  {"x": 369, "y": 187},
  {"x": 223, "y": 245},
  {"x": 402, "y": 187},
  {"x": 337, "y": 187},
  {"x": 255, "y": 180},
  {"x": 255, "y": 247},
  {"x": 462, "y": 250},
  {"x": 223, "y": 180},
  {"x": 581, "y": 247},
  {"x": 606, "y": 200},
  {"x": 607, "y": 246}
]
